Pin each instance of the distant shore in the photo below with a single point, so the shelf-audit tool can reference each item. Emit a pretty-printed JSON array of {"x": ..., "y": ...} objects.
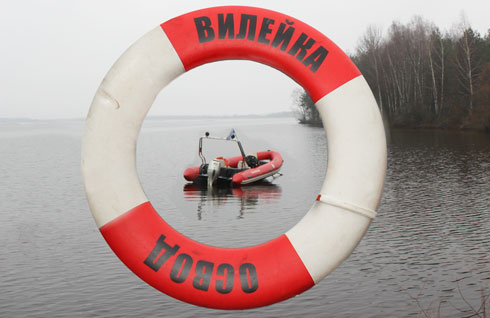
[
  {"x": 162, "y": 117},
  {"x": 408, "y": 128}
]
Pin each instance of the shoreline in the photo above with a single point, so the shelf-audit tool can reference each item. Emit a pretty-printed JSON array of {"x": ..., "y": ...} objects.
[{"x": 423, "y": 128}]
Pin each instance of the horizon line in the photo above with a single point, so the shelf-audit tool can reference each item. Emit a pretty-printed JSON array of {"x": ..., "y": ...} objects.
[{"x": 275, "y": 114}]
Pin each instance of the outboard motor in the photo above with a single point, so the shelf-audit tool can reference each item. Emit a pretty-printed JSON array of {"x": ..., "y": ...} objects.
[{"x": 213, "y": 171}]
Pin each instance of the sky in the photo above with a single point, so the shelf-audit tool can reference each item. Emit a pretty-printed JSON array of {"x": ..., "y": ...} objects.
[{"x": 54, "y": 54}]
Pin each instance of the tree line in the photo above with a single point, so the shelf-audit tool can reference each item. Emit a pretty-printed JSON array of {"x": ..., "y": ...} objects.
[{"x": 422, "y": 77}]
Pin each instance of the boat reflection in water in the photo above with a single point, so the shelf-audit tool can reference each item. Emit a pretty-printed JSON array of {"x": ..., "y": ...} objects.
[{"x": 241, "y": 198}]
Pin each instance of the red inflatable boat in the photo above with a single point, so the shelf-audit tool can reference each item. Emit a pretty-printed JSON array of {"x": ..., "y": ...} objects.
[{"x": 234, "y": 171}]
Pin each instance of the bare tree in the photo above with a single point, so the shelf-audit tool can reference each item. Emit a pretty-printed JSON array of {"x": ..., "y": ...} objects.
[
  {"x": 370, "y": 45},
  {"x": 305, "y": 108},
  {"x": 437, "y": 58},
  {"x": 467, "y": 60},
  {"x": 418, "y": 73}
]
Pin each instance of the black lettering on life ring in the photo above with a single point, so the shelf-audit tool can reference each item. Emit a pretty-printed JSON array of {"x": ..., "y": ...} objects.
[
  {"x": 204, "y": 271},
  {"x": 248, "y": 278},
  {"x": 153, "y": 260},
  {"x": 225, "y": 285},
  {"x": 179, "y": 273},
  {"x": 269, "y": 33},
  {"x": 204, "y": 30},
  {"x": 248, "y": 23},
  {"x": 226, "y": 26}
]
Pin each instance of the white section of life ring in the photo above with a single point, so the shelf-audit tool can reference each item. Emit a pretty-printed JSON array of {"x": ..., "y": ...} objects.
[
  {"x": 355, "y": 175},
  {"x": 114, "y": 121}
]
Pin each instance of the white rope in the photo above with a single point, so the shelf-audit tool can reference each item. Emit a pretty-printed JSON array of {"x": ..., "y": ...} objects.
[{"x": 346, "y": 206}]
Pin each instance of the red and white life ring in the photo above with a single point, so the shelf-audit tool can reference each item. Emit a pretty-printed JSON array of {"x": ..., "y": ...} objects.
[{"x": 242, "y": 277}]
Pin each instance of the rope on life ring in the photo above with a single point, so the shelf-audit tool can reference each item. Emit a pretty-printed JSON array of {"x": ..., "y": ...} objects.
[{"x": 240, "y": 277}]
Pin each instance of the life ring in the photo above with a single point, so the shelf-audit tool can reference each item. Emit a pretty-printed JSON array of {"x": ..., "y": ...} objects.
[{"x": 238, "y": 277}]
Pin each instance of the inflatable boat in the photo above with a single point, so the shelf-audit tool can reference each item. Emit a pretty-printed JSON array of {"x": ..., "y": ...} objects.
[{"x": 234, "y": 171}]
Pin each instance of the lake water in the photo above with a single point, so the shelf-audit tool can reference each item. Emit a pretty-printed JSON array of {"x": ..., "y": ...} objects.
[{"x": 428, "y": 248}]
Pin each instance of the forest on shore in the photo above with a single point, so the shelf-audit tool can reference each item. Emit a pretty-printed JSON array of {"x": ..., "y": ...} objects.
[{"x": 422, "y": 77}]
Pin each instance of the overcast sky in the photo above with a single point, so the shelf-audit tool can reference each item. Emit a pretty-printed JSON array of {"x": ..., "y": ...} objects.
[{"x": 54, "y": 54}]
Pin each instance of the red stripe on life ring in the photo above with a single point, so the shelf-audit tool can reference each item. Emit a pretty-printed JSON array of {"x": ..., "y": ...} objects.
[
  {"x": 225, "y": 278},
  {"x": 268, "y": 37}
]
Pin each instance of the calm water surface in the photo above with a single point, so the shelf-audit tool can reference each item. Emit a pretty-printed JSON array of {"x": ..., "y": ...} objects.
[{"x": 428, "y": 247}]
